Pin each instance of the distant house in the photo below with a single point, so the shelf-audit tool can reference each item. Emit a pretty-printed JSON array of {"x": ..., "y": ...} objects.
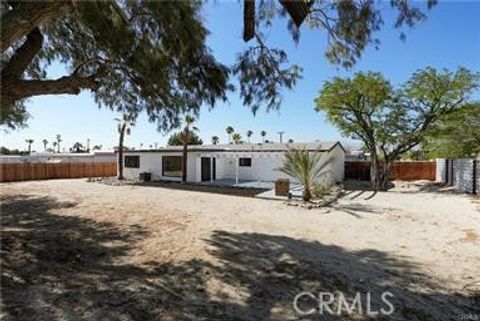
[{"x": 242, "y": 162}]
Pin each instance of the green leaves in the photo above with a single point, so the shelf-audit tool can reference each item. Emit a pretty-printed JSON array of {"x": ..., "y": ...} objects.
[
  {"x": 455, "y": 135},
  {"x": 307, "y": 167},
  {"x": 262, "y": 75},
  {"x": 394, "y": 121}
]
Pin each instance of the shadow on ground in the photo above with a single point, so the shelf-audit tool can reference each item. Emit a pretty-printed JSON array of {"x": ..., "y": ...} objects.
[
  {"x": 62, "y": 267},
  {"x": 225, "y": 190}
]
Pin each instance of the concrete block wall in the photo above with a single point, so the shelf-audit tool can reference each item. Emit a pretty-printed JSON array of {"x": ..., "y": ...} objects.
[{"x": 460, "y": 174}]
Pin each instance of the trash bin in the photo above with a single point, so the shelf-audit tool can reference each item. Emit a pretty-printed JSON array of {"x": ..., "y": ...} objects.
[
  {"x": 145, "y": 176},
  {"x": 282, "y": 187}
]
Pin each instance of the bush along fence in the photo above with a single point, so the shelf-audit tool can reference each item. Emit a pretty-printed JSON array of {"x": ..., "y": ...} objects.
[
  {"x": 10, "y": 172},
  {"x": 405, "y": 171},
  {"x": 464, "y": 174}
]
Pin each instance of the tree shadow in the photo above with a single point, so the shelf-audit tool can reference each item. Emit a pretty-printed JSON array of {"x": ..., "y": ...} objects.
[{"x": 57, "y": 266}]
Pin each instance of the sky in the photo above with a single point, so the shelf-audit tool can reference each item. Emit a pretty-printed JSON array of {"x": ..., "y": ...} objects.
[{"x": 449, "y": 38}]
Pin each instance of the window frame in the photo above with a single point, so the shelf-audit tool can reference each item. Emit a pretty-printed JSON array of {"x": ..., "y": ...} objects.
[
  {"x": 164, "y": 163},
  {"x": 127, "y": 164},
  {"x": 248, "y": 161}
]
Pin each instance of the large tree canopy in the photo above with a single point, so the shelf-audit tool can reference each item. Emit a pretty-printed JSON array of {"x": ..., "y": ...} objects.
[
  {"x": 151, "y": 55},
  {"x": 391, "y": 122},
  {"x": 456, "y": 135}
]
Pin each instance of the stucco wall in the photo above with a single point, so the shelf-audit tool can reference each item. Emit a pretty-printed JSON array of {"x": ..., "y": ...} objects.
[
  {"x": 264, "y": 165},
  {"x": 152, "y": 162}
]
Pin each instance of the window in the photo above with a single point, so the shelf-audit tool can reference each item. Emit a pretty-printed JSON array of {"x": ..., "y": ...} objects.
[
  {"x": 245, "y": 162},
  {"x": 132, "y": 161},
  {"x": 172, "y": 166}
]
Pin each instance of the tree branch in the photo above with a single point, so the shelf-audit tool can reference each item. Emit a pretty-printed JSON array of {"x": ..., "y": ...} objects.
[
  {"x": 13, "y": 90},
  {"x": 23, "y": 56},
  {"x": 26, "y": 16}
]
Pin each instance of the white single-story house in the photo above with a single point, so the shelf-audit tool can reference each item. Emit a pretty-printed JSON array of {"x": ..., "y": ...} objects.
[{"x": 232, "y": 162}]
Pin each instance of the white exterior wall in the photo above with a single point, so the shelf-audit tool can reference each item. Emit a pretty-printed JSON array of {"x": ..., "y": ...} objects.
[
  {"x": 152, "y": 162},
  {"x": 441, "y": 170},
  {"x": 264, "y": 165}
]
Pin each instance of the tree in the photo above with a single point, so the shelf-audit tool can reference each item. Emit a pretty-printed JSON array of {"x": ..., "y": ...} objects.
[
  {"x": 290, "y": 140},
  {"x": 249, "y": 134},
  {"x": 77, "y": 148},
  {"x": 123, "y": 128},
  {"x": 392, "y": 122},
  {"x": 58, "y": 139},
  {"x": 237, "y": 138},
  {"x": 176, "y": 139},
  {"x": 186, "y": 135},
  {"x": 88, "y": 146},
  {"x": 305, "y": 166},
  {"x": 455, "y": 135},
  {"x": 215, "y": 140},
  {"x": 141, "y": 55},
  {"x": 263, "y": 134},
  {"x": 45, "y": 143},
  {"x": 229, "y": 131},
  {"x": 29, "y": 145},
  {"x": 97, "y": 147}
]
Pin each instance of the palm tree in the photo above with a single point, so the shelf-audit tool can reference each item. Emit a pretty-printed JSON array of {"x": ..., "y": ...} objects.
[
  {"x": 249, "y": 134},
  {"x": 59, "y": 140},
  {"x": 229, "y": 131},
  {"x": 88, "y": 145},
  {"x": 54, "y": 145},
  {"x": 124, "y": 127},
  {"x": 263, "y": 134},
  {"x": 45, "y": 143},
  {"x": 29, "y": 143},
  {"x": 305, "y": 166},
  {"x": 215, "y": 140},
  {"x": 187, "y": 131},
  {"x": 237, "y": 138}
]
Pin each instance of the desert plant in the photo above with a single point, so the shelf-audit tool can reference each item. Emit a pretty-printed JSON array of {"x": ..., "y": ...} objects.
[
  {"x": 229, "y": 131},
  {"x": 237, "y": 138},
  {"x": 124, "y": 124},
  {"x": 263, "y": 134},
  {"x": 29, "y": 145},
  {"x": 249, "y": 134},
  {"x": 307, "y": 167}
]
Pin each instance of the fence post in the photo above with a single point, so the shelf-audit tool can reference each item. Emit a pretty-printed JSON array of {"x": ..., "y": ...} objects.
[
  {"x": 446, "y": 171},
  {"x": 474, "y": 177}
]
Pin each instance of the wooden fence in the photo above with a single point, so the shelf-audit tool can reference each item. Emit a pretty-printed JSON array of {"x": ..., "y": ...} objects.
[
  {"x": 27, "y": 171},
  {"x": 405, "y": 171}
]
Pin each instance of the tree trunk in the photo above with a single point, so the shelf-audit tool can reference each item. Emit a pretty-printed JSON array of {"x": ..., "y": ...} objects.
[
  {"x": 26, "y": 16},
  {"x": 384, "y": 181},
  {"x": 184, "y": 161},
  {"x": 374, "y": 169},
  {"x": 307, "y": 194},
  {"x": 120, "y": 151}
]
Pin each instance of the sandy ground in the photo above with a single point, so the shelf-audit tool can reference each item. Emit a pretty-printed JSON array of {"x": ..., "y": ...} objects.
[{"x": 74, "y": 250}]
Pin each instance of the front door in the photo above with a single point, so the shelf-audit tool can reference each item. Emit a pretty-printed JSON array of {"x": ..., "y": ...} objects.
[{"x": 207, "y": 169}]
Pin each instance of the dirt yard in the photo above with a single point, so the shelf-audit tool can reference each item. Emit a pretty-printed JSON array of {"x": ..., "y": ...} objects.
[{"x": 74, "y": 250}]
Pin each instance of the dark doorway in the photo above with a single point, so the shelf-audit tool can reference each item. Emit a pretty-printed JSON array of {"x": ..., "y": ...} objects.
[{"x": 207, "y": 170}]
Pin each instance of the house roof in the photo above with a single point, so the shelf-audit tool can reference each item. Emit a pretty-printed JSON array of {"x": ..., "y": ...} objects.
[{"x": 260, "y": 147}]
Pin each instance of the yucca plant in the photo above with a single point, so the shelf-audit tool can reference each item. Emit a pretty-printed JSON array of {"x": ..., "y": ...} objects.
[{"x": 307, "y": 167}]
